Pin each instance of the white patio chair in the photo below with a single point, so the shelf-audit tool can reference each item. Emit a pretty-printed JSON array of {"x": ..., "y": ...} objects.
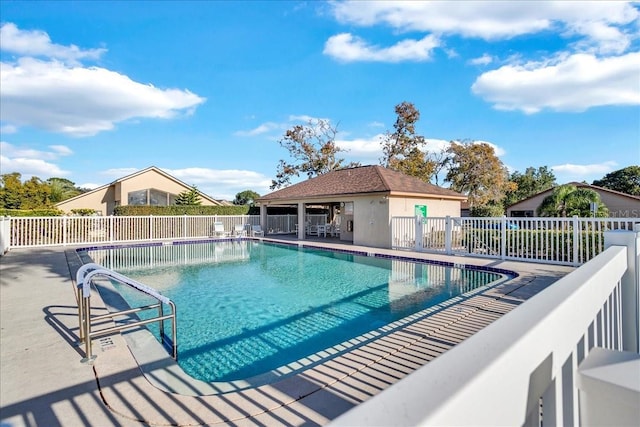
[
  {"x": 218, "y": 230},
  {"x": 256, "y": 230},
  {"x": 239, "y": 230}
]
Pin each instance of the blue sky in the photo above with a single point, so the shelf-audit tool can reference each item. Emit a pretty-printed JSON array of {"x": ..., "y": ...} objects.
[{"x": 92, "y": 91}]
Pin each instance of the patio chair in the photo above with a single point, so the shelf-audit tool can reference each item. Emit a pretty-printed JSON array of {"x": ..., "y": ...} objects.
[
  {"x": 239, "y": 230},
  {"x": 218, "y": 230},
  {"x": 256, "y": 230}
]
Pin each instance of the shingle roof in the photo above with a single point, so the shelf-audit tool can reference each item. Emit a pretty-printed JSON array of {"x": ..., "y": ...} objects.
[{"x": 360, "y": 180}]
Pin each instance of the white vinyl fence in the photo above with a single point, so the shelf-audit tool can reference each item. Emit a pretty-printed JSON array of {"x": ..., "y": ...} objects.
[
  {"x": 25, "y": 232},
  {"x": 568, "y": 241},
  {"x": 59, "y": 231}
]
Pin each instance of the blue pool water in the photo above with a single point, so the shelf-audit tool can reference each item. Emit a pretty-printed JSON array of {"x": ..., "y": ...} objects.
[{"x": 246, "y": 308}]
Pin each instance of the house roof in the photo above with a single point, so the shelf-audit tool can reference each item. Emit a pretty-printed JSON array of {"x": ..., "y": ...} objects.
[
  {"x": 579, "y": 185},
  {"x": 360, "y": 180},
  {"x": 140, "y": 172}
]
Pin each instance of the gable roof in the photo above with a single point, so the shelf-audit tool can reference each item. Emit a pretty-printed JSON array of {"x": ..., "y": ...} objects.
[
  {"x": 361, "y": 180},
  {"x": 140, "y": 172},
  {"x": 579, "y": 185}
]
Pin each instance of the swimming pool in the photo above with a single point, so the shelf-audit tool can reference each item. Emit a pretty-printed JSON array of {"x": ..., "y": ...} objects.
[{"x": 246, "y": 308}]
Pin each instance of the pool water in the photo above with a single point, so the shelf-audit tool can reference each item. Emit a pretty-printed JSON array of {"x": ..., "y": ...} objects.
[{"x": 245, "y": 308}]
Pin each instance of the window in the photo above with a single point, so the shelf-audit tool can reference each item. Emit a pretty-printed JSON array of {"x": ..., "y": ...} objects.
[
  {"x": 137, "y": 198},
  {"x": 151, "y": 197},
  {"x": 157, "y": 198}
]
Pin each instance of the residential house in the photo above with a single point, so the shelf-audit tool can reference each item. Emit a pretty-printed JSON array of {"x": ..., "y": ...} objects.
[
  {"x": 620, "y": 205},
  {"x": 150, "y": 186}
]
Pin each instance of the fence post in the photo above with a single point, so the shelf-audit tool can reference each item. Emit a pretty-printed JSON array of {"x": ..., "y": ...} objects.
[
  {"x": 150, "y": 227},
  {"x": 64, "y": 230},
  {"x": 630, "y": 284},
  {"x": 111, "y": 233},
  {"x": 184, "y": 225},
  {"x": 448, "y": 235},
  {"x": 503, "y": 237},
  {"x": 576, "y": 240},
  {"x": 419, "y": 241}
]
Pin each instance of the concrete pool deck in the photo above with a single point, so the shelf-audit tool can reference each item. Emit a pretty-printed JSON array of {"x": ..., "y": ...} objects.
[{"x": 43, "y": 383}]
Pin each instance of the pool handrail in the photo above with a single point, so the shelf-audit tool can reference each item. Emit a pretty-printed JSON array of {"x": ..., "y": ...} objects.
[{"x": 84, "y": 277}]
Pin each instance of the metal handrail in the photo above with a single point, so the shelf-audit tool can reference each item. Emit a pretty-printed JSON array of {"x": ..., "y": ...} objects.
[{"x": 84, "y": 277}]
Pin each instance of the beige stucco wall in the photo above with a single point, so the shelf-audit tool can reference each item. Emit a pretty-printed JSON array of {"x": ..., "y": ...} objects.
[
  {"x": 372, "y": 216},
  {"x": 371, "y": 222},
  {"x": 405, "y": 206},
  {"x": 620, "y": 206},
  {"x": 97, "y": 200}
]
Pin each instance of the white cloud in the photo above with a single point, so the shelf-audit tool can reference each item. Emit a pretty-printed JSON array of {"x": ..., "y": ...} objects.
[
  {"x": 569, "y": 83},
  {"x": 581, "y": 171},
  {"x": 28, "y": 167},
  {"x": 10, "y": 150},
  {"x": 364, "y": 150},
  {"x": 483, "y": 60},
  {"x": 61, "y": 150},
  {"x": 346, "y": 47},
  {"x": 89, "y": 185},
  {"x": 599, "y": 23},
  {"x": 8, "y": 129},
  {"x": 116, "y": 173},
  {"x": 261, "y": 129},
  {"x": 58, "y": 95},
  {"x": 436, "y": 145},
  {"x": 29, "y": 162},
  {"x": 37, "y": 43},
  {"x": 304, "y": 118},
  {"x": 223, "y": 184}
]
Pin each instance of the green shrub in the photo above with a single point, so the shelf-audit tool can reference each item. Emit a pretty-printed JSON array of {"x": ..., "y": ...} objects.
[
  {"x": 180, "y": 210},
  {"x": 31, "y": 212},
  {"x": 83, "y": 211}
]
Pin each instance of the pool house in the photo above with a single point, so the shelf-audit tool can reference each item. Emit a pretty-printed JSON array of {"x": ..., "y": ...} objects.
[{"x": 356, "y": 205}]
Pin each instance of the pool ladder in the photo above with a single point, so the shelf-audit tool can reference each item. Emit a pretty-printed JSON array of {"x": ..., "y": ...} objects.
[{"x": 84, "y": 278}]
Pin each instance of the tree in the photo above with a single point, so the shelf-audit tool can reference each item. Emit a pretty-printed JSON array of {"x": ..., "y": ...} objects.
[
  {"x": 626, "y": 180},
  {"x": 569, "y": 200},
  {"x": 533, "y": 181},
  {"x": 32, "y": 194},
  {"x": 476, "y": 171},
  {"x": 11, "y": 191},
  {"x": 313, "y": 149},
  {"x": 62, "y": 189},
  {"x": 189, "y": 198},
  {"x": 36, "y": 194},
  {"x": 403, "y": 150},
  {"x": 441, "y": 160},
  {"x": 246, "y": 197}
]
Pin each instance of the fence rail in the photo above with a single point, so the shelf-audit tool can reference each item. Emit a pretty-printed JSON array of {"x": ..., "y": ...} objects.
[{"x": 567, "y": 241}]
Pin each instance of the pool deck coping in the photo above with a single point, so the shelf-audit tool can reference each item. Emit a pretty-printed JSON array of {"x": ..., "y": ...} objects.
[{"x": 56, "y": 389}]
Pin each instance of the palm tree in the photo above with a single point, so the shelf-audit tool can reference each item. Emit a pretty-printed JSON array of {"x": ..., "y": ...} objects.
[{"x": 569, "y": 200}]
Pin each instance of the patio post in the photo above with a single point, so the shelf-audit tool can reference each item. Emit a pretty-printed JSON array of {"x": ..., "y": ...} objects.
[{"x": 302, "y": 213}]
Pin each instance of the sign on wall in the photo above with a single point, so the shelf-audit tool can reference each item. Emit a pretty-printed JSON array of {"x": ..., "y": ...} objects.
[{"x": 421, "y": 210}]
